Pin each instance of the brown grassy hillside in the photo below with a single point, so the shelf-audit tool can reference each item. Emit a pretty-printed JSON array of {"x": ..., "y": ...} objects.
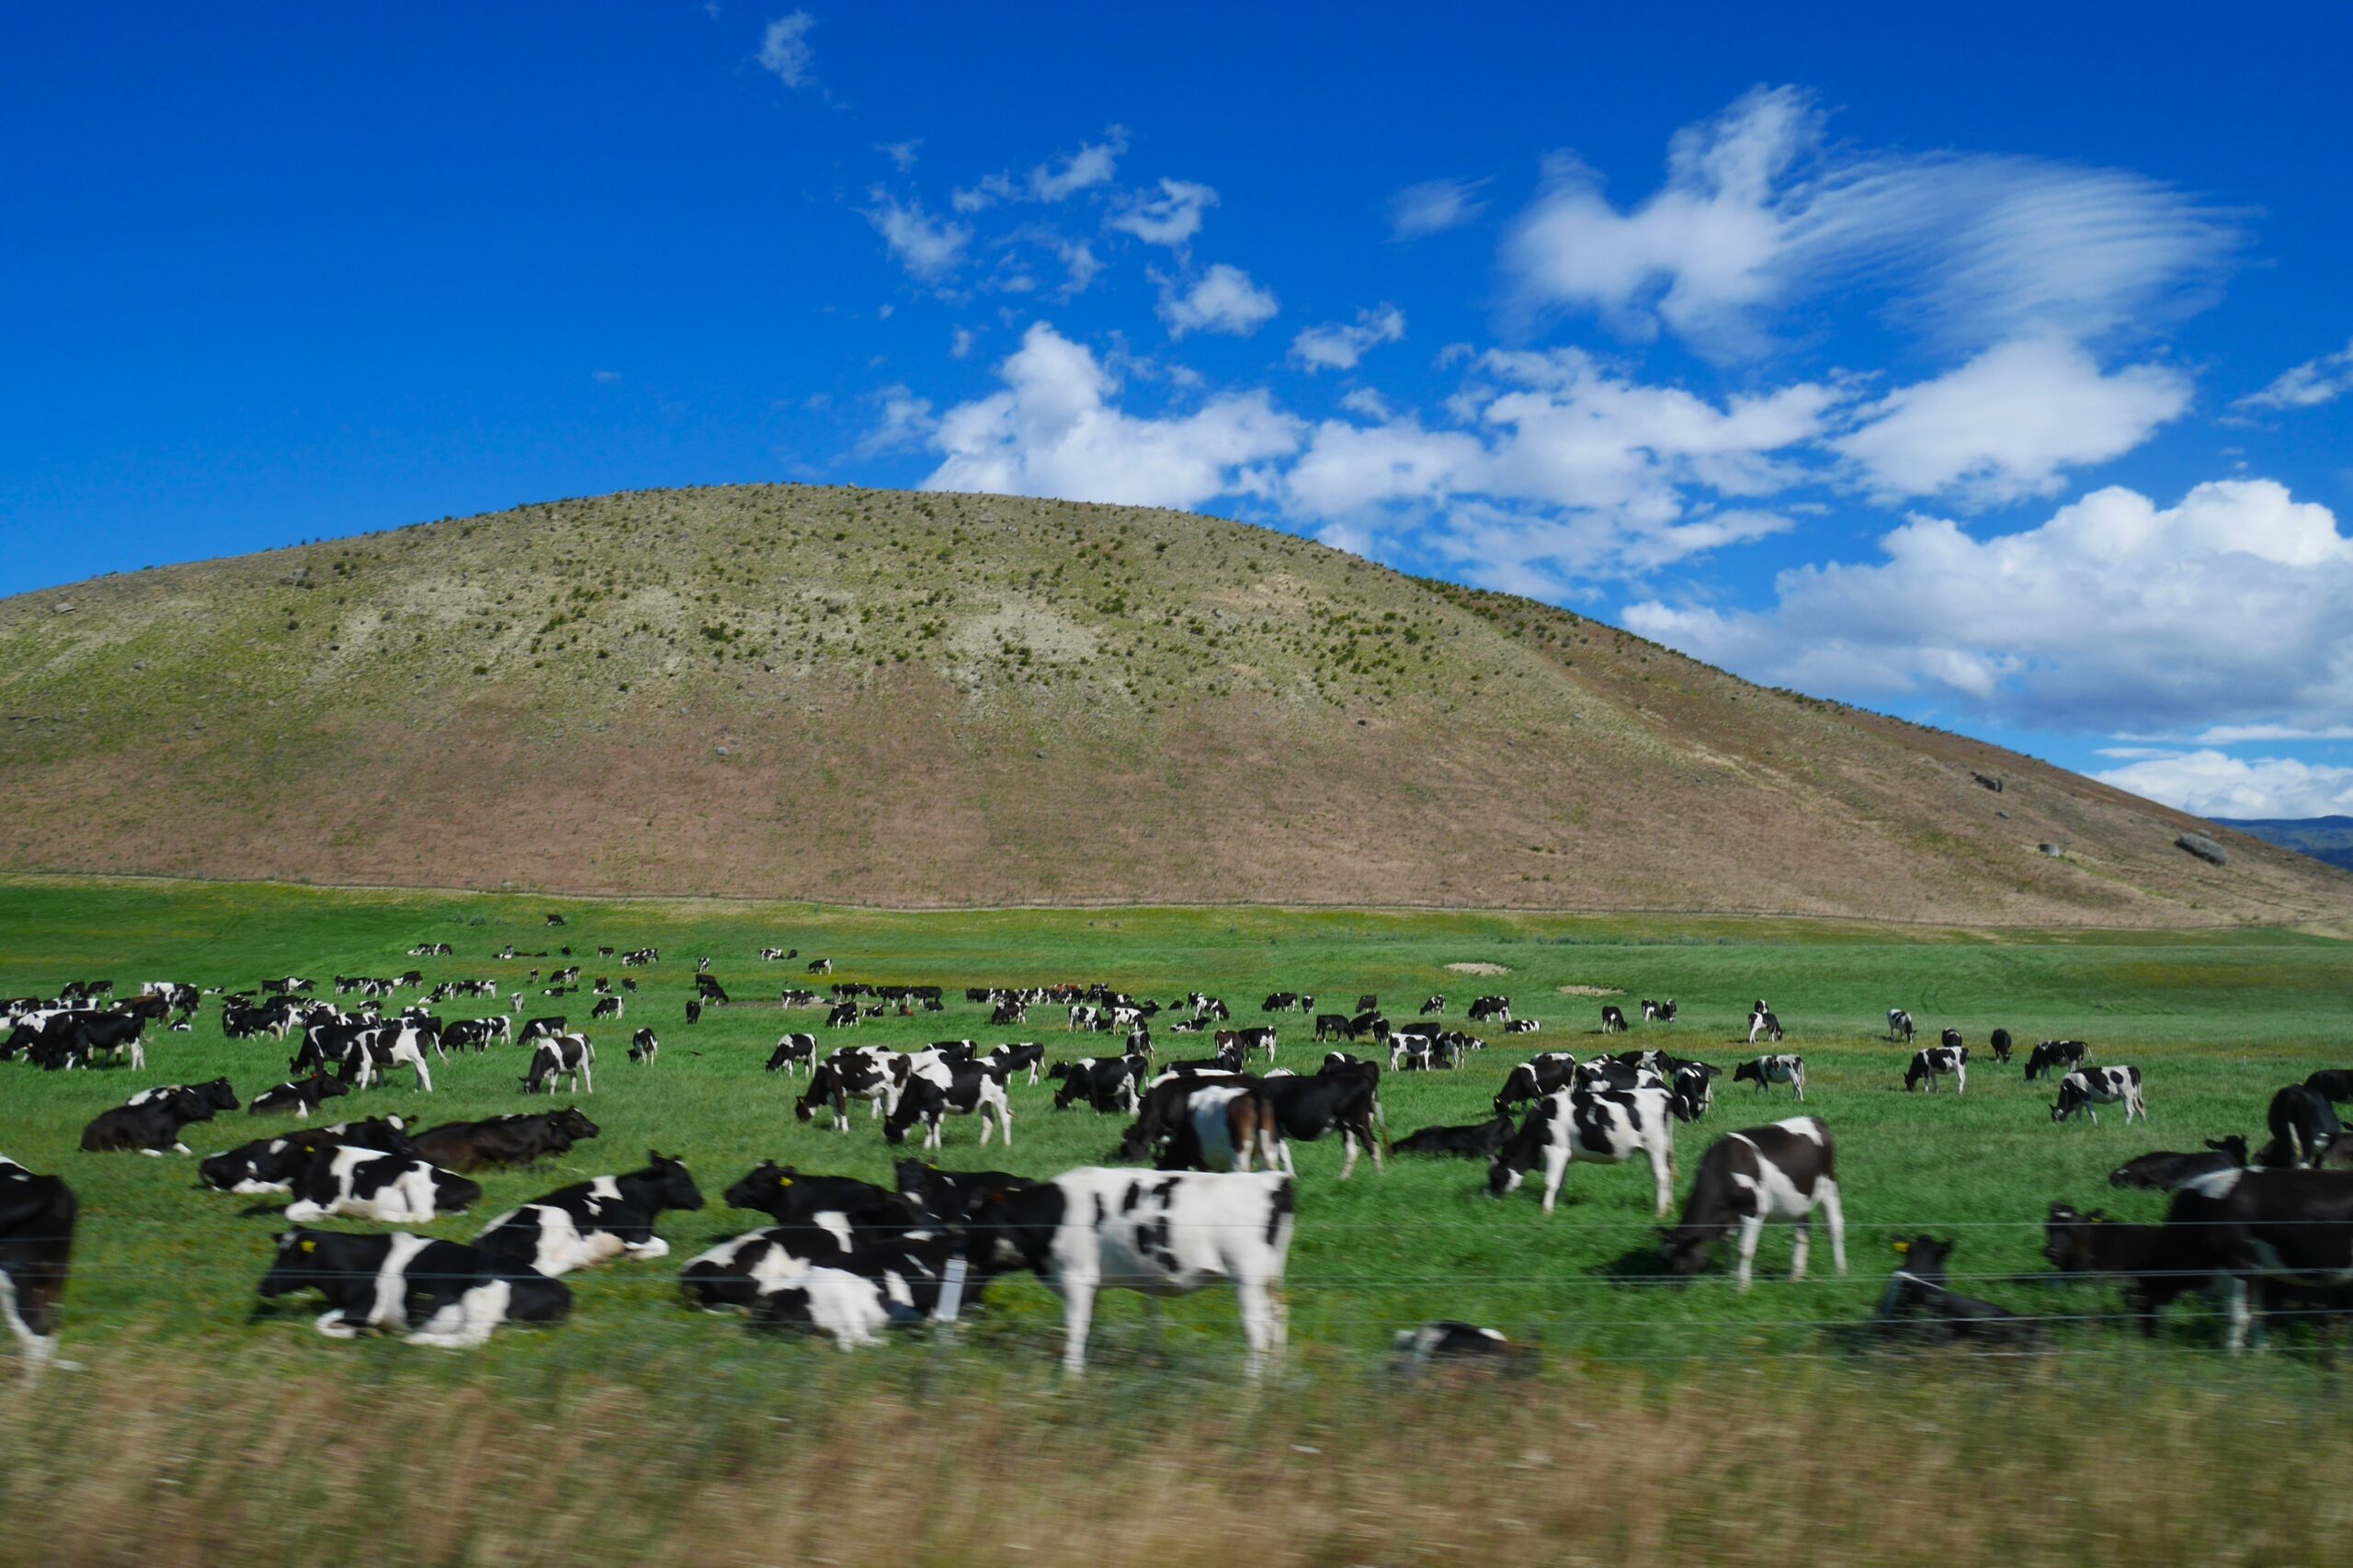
[{"x": 869, "y": 697}]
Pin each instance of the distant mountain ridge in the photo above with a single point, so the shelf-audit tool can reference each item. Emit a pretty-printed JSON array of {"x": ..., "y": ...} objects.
[
  {"x": 930, "y": 700},
  {"x": 2326, "y": 839}
]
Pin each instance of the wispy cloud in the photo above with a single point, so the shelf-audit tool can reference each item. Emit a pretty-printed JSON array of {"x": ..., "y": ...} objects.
[
  {"x": 2307, "y": 386},
  {"x": 1340, "y": 345},
  {"x": 1223, "y": 298},
  {"x": 1170, "y": 217},
  {"x": 1433, "y": 207},
  {"x": 785, "y": 51},
  {"x": 929, "y": 247},
  {"x": 1057, "y": 179}
]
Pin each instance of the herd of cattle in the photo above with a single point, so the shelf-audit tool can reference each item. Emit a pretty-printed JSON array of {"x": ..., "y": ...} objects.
[{"x": 1210, "y": 1196}]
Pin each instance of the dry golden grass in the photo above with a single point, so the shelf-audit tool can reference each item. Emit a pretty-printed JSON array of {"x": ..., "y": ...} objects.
[{"x": 154, "y": 1461}]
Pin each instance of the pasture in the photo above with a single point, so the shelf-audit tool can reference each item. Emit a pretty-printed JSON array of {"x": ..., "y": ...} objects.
[{"x": 164, "y": 1272}]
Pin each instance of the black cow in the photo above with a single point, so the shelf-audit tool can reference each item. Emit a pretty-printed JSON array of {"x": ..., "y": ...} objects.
[
  {"x": 1613, "y": 1019},
  {"x": 2163, "y": 1171},
  {"x": 796, "y": 1199},
  {"x": 2331, "y": 1082},
  {"x": 505, "y": 1139},
  {"x": 1781, "y": 1172},
  {"x": 302, "y": 1096},
  {"x": 1474, "y": 1140},
  {"x": 2303, "y": 1125},
  {"x": 1111, "y": 1084},
  {"x": 1491, "y": 1007},
  {"x": 1305, "y": 1109},
  {"x": 440, "y": 1293},
  {"x": 1919, "y": 1303},
  {"x": 591, "y": 1221},
  {"x": 1457, "y": 1345},
  {"x": 2056, "y": 1055},
  {"x": 953, "y": 1197},
  {"x": 37, "y": 1218},
  {"x": 151, "y": 1121},
  {"x": 1999, "y": 1043},
  {"x": 2156, "y": 1263},
  {"x": 1535, "y": 1078}
]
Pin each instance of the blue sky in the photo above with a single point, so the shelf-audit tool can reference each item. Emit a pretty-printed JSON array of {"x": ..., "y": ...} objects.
[{"x": 1992, "y": 367}]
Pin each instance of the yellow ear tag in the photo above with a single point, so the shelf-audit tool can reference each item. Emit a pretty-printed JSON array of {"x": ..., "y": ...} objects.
[
  {"x": 310, "y": 1246},
  {"x": 1904, "y": 1246},
  {"x": 784, "y": 1181}
]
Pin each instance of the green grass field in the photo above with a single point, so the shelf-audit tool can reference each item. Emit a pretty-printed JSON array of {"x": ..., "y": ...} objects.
[
  {"x": 2216, "y": 1023},
  {"x": 640, "y": 1432}
]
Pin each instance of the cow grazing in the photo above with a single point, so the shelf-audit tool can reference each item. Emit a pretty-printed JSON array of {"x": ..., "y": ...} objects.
[
  {"x": 151, "y": 1121},
  {"x": 1613, "y": 1020},
  {"x": 504, "y": 1139},
  {"x": 1496, "y": 1009},
  {"x": 1919, "y": 1303},
  {"x": 1604, "y": 1127},
  {"x": 2163, "y": 1171},
  {"x": 792, "y": 1048},
  {"x": 1938, "y": 1061},
  {"x": 694, "y": 1012},
  {"x": 1247, "y": 1041},
  {"x": 1434, "y": 1004},
  {"x": 1475, "y": 1141},
  {"x": 1111, "y": 1084},
  {"x": 2267, "y": 1232},
  {"x": 1092, "y": 1230},
  {"x": 2156, "y": 1265},
  {"x": 1900, "y": 1026},
  {"x": 1658, "y": 1012},
  {"x": 438, "y": 1293},
  {"x": 1536, "y": 1077},
  {"x": 1999, "y": 1043},
  {"x": 1030, "y": 1056},
  {"x": 563, "y": 1056},
  {"x": 302, "y": 1096},
  {"x": 967, "y": 1089},
  {"x": 365, "y": 1184},
  {"x": 2086, "y": 1088},
  {"x": 605, "y": 1007},
  {"x": 2055, "y": 1055},
  {"x": 1763, "y": 1022},
  {"x": 1691, "y": 1090},
  {"x": 1766, "y": 1071},
  {"x": 849, "y": 1074},
  {"x": 593, "y": 1221},
  {"x": 2303, "y": 1127},
  {"x": 1206, "y": 1124},
  {"x": 37, "y": 1218},
  {"x": 1349, "y": 1102},
  {"x": 1781, "y": 1172}
]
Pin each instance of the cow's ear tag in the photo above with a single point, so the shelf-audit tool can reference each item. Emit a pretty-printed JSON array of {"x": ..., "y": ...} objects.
[
  {"x": 310, "y": 1246},
  {"x": 1904, "y": 1246},
  {"x": 2099, "y": 1218},
  {"x": 784, "y": 1181}
]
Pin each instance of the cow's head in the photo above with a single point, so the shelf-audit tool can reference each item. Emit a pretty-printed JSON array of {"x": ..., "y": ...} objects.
[
  {"x": 666, "y": 1183},
  {"x": 760, "y": 1189},
  {"x": 572, "y": 1123},
  {"x": 2234, "y": 1147},
  {"x": 298, "y": 1266}
]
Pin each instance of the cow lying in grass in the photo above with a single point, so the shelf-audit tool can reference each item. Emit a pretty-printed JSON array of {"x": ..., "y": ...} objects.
[
  {"x": 592, "y": 1221},
  {"x": 434, "y": 1293}
]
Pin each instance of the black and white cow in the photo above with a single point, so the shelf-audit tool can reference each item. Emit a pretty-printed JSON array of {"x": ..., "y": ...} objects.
[
  {"x": 2056, "y": 1055},
  {"x": 1691, "y": 1090},
  {"x": 1491, "y": 1008},
  {"x": 964, "y": 1088},
  {"x": 302, "y": 1096},
  {"x": 1434, "y": 1004},
  {"x": 1111, "y": 1084},
  {"x": 1015, "y": 1056},
  {"x": 1900, "y": 1026},
  {"x": 2164, "y": 1170},
  {"x": 365, "y": 1184},
  {"x": 1604, "y": 1127},
  {"x": 1613, "y": 1019},
  {"x": 792, "y": 1048},
  {"x": 2088, "y": 1087},
  {"x": 1262, "y": 1038},
  {"x": 37, "y": 1218},
  {"x": 1763, "y": 1022},
  {"x": 1414, "y": 1351},
  {"x": 1166, "y": 1234},
  {"x": 593, "y": 1221},
  {"x": 1523, "y": 1026},
  {"x": 2304, "y": 1126},
  {"x": 1936, "y": 1062},
  {"x": 1475, "y": 1141},
  {"x": 152, "y": 1121},
  {"x": 270, "y": 1165},
  {"x": 477, "y": 1032},
  {"x": 1658, "y": 1012},
  {"x": 607, "y": 1008},
  {"x": 644, "y": 1046},
  {"x": 1536, "y": 1077},
  {"x": 851, "y": 1072},
  {"x": 2268, "y": 1233},
  {"x": 1207, "y": 1124},
  {"x": 1766, "y": 1071},
  {"x": 1781, "y": 1172},
  {"x": 953, "y": 1197},
  {"x": 438, "y": 1293},
  {"x": 562, "y": 1056},
  {"x": 1306, "y": 1108},
  {"x": 1918, "y": 1305}
]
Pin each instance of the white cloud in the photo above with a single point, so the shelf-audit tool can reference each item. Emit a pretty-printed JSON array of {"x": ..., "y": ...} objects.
[
  {"x": 1081, "y": 266},
  {"x": 1056, "y": 181},
  {"x": 961, "y": 343},
  {"x": 1171, "y": 218},
  {"x": 901, "y": 154},
  {"x": 1433, "y": 207},
  {"x": 1758, "y": 209},
  {"x": 905, "y": 422},
  {"x": 2211, "y": 784},
  {"x": 1055, "y": 431},
  {"x": 1338, "y": 346},
  {"x": 2007, "y": 424},
  {"x": 2116, "y": 615},
  {"x": 928, "y": 248},
  {"x": 2307, "y": 386},
  {"x": 1220, "y": 299},
  {"x": 2239, "y": 734},
  {"x": 785, "y": 51}
]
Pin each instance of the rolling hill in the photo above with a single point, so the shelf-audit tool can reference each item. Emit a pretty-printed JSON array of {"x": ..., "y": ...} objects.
[
  {"x": 920, "y": 700},
  {"x": 2326, "y": 839}
]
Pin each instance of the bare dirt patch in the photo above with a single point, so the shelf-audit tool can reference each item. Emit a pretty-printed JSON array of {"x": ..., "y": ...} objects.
[
  {"x": 1478, "y": 969},
  {"x": 1591, "y": 991}
]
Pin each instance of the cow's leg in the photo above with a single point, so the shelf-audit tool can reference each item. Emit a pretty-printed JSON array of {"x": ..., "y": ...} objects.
[
  {"x": 1078, "y": 1314},
  {"x": 1751, "y": 1227},
  {"x": 1258, "y": 1321},
  {"x": 1834, "y": 1217},
  {"x": 1800, "y": 1242},
  {"x": 1663, "y": 1174},
  {"x": 587, "y": 1085},
  {"x": 1556, "y": 1167},
  {"x": 2234, "y": 1305},
  {"x": 423, "y": 1073},
  {"x": 1348, "y": 1153}
]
